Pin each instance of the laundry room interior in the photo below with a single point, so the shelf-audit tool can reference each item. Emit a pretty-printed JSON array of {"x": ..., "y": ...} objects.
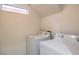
[{"x": 39, "y": 29}]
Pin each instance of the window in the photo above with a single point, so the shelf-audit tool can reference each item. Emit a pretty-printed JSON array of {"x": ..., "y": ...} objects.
[{"x": 14, "y": 9}]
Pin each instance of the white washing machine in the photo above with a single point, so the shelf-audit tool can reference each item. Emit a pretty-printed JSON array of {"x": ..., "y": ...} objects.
[
  {"x": 54, "y": 47},
  {"x": 33, "y": 43}
]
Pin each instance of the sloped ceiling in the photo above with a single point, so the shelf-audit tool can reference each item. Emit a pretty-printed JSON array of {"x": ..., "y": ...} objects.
[{"x": 46, "y": 9}]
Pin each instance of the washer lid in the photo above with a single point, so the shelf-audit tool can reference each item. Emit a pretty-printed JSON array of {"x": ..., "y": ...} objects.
[{"x": 57, "y": 45}]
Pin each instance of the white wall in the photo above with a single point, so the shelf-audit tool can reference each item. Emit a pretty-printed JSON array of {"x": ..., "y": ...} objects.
[
  {"x": 15, "y": 27},
  {"x": 66, "y": 21},
  {"x": 0, "y": 30}
]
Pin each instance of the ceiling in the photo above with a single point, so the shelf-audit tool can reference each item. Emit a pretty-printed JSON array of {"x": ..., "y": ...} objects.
[{"x": 46, "y": 9}]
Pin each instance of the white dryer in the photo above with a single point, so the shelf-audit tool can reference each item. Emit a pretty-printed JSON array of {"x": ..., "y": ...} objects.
[{"x": 33, "y": 43}]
